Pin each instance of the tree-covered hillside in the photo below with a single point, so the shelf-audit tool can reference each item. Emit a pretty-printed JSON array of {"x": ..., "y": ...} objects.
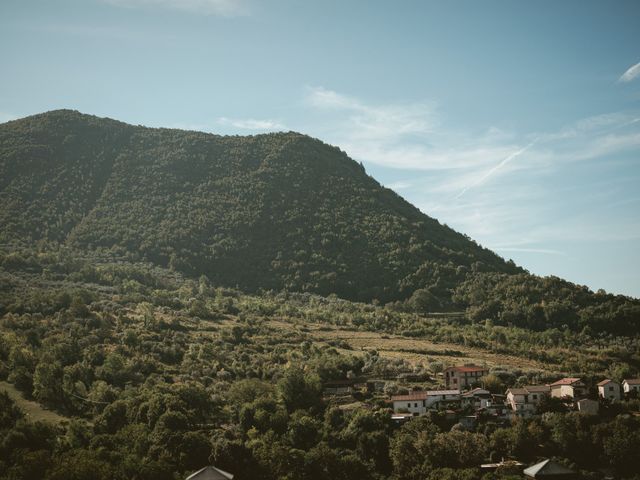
[{"x": 274, "y": 211}]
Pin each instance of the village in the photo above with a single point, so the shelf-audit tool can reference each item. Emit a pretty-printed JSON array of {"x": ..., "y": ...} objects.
[
  {"x": 464, "y": 400},
  {"x": 464, "y": 397}
]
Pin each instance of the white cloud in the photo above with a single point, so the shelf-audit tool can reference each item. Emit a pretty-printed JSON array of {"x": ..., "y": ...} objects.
[
  {"x": 225, "y": 8},
  {"x": 251, "y": 124},
  {"x": 632, "y": 73}
]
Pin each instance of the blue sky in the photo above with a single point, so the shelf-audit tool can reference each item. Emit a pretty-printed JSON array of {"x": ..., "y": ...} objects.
[{"x": 517, "y": 123}]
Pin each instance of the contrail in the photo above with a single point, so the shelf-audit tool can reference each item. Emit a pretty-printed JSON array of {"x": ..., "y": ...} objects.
[{"x": 495, "y": 169}]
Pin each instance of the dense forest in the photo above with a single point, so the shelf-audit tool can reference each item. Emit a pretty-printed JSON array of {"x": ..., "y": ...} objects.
[{"x": 281, "y": 211}]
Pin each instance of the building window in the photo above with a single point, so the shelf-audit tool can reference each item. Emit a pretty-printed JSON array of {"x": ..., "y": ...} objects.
[
  {"x": 408, "y": 405},
  {"x": 611, "y": 389}
]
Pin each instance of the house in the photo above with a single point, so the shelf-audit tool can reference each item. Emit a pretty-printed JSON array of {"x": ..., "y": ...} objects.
[
  {"x": 588, "y": 406},
  {"x": 464, "y": 376},
  {"x": 418, "y": 403},
  {"x": 549, "y": 470},
  {"x": 476, "y": 398},
  {"x": 524, "y": 401},
  {"x": 608, "y": 389},
  {"x": 630, "y": 385},
  {"x": 568, "y": 387},
  {"x": 210, "y": 473}
]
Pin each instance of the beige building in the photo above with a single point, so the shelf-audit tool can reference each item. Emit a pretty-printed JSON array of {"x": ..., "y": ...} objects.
[
  {"x": 465, "y": 376},
  {"x": 524, "y": 401},
  {"x": 568, "y": 387},
  {"x": 608, "y": 389}
]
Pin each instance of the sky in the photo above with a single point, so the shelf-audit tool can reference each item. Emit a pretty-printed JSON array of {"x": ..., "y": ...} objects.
[{"x": 516, "y": 123}]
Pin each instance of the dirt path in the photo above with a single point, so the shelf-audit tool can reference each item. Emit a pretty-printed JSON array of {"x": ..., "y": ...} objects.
[{"x": 33, "y": 411}]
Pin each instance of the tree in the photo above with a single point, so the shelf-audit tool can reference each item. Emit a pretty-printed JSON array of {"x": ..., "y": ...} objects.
[
  {"x": 299, "y": 390},
  {"x": 47, "y": 383}
]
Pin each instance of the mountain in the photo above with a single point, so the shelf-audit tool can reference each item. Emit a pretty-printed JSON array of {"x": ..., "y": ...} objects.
[{"x": 273, "y": 211}]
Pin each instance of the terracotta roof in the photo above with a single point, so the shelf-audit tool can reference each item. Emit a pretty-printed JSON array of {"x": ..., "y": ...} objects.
[
  {"x": 468, "y": 368},
  {"x": 565, "y": 381},
  {"x": 633, "y": 381},
  {"x": 604, "y": 382}
]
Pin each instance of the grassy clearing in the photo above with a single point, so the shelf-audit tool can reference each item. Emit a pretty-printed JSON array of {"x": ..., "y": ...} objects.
[
  {"x": 413, "y": 350},
  {"x": 33, "y": 411}
]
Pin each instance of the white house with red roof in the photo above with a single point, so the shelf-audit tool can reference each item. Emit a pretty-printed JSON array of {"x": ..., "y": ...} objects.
[
  {"x": 464, "y": 376},
  {"x": 418, "y": 403},
  {"x": 568, "y": 387}
]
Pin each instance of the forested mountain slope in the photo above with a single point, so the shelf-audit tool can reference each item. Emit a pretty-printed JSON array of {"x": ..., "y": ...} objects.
[{"x": 270, "y": 211}]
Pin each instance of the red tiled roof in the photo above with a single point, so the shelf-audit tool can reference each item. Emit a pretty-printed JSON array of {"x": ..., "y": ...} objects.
[
  {"x": 565, "y": 381},
  {"x": 633, "y": 381}
]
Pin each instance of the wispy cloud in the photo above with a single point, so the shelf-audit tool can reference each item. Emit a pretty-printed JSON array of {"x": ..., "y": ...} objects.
[
  {"x": 632, "y": 73},
  {"x": 225, "y": 8},
  {"x": 485, "y": 176},
  {"x": 369, "y": 122},
  {"x": 251, "y": 124}
]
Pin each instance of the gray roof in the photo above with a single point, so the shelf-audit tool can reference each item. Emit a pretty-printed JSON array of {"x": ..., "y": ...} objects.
[
  {"x": 547, "y": 468},
  {"x": 210, "y": 473}
]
